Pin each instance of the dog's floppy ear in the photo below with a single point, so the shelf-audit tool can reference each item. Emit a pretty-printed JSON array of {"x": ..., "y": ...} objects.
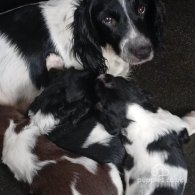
[
  {"x": 85, "y": 46},
  {"x": 159, "y": 22}
]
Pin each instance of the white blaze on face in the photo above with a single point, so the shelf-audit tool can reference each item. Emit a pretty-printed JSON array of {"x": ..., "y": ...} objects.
[
  {"x": 133, "y": 40},
  {"x": 133, "y": 32}
]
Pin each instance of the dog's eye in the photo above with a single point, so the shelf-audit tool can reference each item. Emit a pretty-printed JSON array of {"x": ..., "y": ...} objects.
[
  {"x": 108, "y": 21},
  {"x": 141, "y": 10}
]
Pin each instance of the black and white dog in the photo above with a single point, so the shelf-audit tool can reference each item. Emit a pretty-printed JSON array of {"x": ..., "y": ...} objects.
[
  {"x": 153, "y": 139},
  {"x": 96, "y": 34},
  {"x": 81, "y": 128}
]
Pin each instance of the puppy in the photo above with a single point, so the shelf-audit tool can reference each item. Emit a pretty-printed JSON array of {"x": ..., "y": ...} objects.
[
  {"x": 47, "y": 169},
  {"x": 98, "y": 35},
  {"x": 153, "y": 139},
  {"x": 82, "y": 128}
]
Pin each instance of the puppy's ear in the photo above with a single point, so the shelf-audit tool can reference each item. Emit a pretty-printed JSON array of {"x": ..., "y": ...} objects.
[
  {"x": 85, "y": 43},
  {"x": 159, "y": 22},
  {"x": 183, "y": 137}
]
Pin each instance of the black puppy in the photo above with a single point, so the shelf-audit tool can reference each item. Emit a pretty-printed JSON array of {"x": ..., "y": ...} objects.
[
  {"x": 153, "y": 138},
  {"x": 68, "y": 104}
]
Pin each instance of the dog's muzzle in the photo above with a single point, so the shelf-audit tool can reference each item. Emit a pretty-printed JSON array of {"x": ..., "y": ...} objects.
[{"x": 137, "y": 51}]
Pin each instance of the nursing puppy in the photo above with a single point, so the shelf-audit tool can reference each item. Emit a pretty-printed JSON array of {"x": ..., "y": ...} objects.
[
  {"x": 82, "y": 128},
  {"x": 46, "y": 168},
  {"x": 153, "y": 139},
  {"x": 94, "y": 34}
]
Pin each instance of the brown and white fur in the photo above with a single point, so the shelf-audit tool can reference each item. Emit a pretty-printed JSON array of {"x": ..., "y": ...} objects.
[{"x": 48, "y": 169}]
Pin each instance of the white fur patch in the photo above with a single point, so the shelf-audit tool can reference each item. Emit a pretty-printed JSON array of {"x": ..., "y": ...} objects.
[
  {"x": 58, "y": 17},
  {"x": 98, "y": 135},
  {"x": 149, "y": 170},
  {"x": 73, "y": 187},
  {"x": 45, "y": 123},
  {"x": 190, "y": 119},
  {"x": 152, "y": 125},
  {"x": 18, "y": 152},
  {"x": 116, "y": 66},
  {"x": 133, "y": 33},
  {"x": 54, "y": 61},
  {"x": 15, "y": 82},
  {"x": 158, "y": 176},
  {"x": 116, "y": 179},
  {"x": 133, "y": 37},
  {"x": 89, "y": 164}
]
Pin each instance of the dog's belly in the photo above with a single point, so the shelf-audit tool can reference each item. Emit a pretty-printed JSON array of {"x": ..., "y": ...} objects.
[{"x": 15, "y": 82}]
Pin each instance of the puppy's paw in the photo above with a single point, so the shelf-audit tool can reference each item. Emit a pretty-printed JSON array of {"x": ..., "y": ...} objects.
[{"x": 54, "y": 61}]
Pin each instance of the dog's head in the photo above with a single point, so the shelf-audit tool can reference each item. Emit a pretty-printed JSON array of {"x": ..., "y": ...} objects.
[
  {"x": 130, "y": 30},
  {"x": 120, "y": 91},
  {"x": 114, "y": 95}
]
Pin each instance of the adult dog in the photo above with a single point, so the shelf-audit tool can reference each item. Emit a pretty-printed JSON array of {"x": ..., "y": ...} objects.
[{"x": 95, "y": 34}]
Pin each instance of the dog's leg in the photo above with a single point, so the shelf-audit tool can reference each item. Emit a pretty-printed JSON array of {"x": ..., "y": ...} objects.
[
  {"x": 190, "y": 119},
  {"x": 54, "y": 61}
]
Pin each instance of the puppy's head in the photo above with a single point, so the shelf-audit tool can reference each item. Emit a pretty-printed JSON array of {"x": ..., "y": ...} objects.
[
  {"x": 114, "y": 94},
  {"x": 68, "y": 95},
  {"x": 114, "y": 90},
  {"x": 130, "y": 30}
]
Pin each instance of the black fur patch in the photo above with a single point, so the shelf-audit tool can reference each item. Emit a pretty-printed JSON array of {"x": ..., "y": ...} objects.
[
  {"x": 131, "y": 181},
  {"x": 128, "y": 162},
  {"x": 11, "y": 4},
  {"x": 169, "y": 191},
  {"x": 184, "y": 136},
  {"x": 116, "y": 92},
  {"x": 169, "y": 143},
  {"x": 25, "y": 27}
]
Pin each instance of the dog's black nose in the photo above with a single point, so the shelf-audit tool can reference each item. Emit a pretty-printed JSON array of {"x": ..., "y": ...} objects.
[{"x": 142, "y": 52}]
